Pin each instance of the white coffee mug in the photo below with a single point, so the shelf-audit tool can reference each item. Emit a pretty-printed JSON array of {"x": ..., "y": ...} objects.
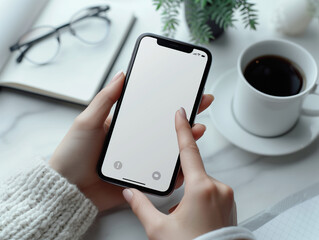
[{"x": 267, "y": 115}]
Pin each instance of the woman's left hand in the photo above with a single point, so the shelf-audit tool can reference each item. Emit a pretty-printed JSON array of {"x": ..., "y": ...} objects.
[{"x": 77, "y": 155}]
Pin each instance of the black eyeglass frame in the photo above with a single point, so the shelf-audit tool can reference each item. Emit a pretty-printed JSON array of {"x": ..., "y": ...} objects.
[{"x": 28, "y": 45}]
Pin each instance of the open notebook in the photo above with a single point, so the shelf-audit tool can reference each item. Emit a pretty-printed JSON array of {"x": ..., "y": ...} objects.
[
  {"x": 294, "y": 218},
  {"x": 79, "y": 70}
]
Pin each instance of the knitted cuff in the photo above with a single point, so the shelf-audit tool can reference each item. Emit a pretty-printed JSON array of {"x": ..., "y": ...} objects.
[
  {"x": 228, "y": 233},
  {"x": 43, "y": 205}
]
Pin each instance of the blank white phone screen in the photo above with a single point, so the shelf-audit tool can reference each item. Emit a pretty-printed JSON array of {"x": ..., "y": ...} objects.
[{"x": 143, "y": 148}]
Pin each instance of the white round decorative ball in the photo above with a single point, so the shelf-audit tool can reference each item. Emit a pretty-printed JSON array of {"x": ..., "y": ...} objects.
[{"x": 292, "y": 17}]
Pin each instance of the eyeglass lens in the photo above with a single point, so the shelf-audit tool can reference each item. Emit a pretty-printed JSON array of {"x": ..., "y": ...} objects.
[
  {"x": 88, "y": 25},
  {"x": 42, "y": 51}
]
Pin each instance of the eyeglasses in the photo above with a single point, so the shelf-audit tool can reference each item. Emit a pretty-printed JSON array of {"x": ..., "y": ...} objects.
[{"x": 41, "y": 44}]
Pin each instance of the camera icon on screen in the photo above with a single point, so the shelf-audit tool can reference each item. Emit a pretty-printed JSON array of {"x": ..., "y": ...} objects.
[{"x": 156, "y": 175}]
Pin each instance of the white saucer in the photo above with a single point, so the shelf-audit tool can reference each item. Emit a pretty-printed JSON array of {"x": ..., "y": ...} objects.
[{"x": 305, "y": 131}]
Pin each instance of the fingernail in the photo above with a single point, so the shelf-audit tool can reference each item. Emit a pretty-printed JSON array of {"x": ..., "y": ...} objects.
[
  {"x": 212, "y": 96},
  {"x": 127, "y": 194},
  {"x": 201, "y": 125},
  {"x": 182, "y": 112},
  {"x": 117, "y": 76}
]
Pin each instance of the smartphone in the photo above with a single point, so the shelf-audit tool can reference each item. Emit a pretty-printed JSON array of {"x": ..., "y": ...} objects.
[{"x": 141, "y": 149}]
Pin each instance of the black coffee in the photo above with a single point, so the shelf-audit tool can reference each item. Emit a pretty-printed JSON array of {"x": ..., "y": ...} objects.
[{"x": 274, "y": 75}]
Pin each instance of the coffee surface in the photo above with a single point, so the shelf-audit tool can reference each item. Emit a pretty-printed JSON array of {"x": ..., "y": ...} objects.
[{"x": 274, "y": 75}]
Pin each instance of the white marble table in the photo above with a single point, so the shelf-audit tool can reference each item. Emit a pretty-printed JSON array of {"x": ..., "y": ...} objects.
[{"x": 33, "y": 126}]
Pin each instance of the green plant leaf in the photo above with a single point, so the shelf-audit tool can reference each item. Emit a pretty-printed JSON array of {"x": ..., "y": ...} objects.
[
  {"x": 200, "y": 12},
  {"x": 169, "y": 14}
]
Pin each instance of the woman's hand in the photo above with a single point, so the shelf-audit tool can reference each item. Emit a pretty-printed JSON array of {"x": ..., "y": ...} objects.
[
  {"x": 207, "y": 204},
  {"x": 77, "y": 155}
]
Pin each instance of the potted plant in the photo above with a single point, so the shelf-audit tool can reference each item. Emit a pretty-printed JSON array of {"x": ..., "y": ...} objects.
[{"x": 206, "y": 18}]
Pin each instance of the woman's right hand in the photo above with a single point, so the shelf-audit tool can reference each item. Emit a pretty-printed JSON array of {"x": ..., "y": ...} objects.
[{"x": 207, "y": 204}]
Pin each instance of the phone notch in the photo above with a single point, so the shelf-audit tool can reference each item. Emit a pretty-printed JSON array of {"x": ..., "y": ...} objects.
[{"x": 175, "y": 45}]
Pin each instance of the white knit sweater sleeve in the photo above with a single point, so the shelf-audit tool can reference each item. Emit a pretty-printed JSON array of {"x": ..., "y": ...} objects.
[
  {"x": 41, "y": 204},
  {"x": 228, "y": 233}
]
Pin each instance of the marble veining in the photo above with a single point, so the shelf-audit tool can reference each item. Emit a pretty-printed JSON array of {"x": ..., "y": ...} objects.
[{"x": 13, "y": 123}]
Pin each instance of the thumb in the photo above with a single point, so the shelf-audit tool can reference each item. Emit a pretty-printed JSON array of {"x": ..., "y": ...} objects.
[{"x": 141, "y": 206}]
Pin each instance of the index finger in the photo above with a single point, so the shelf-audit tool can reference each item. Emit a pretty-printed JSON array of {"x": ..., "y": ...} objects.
[
  {"x": 190, "y": 158},
  {"x": 99, "y": 108}
]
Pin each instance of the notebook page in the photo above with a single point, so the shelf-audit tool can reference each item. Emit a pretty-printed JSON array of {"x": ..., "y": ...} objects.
[
  {"x": 298, "y": 222},
  {"x": 79, "y": 69},
  {"x": 16, "y": 17}
]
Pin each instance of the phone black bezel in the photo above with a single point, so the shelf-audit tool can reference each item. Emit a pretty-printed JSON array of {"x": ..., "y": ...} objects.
[{"x": 177, "y": 45}]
